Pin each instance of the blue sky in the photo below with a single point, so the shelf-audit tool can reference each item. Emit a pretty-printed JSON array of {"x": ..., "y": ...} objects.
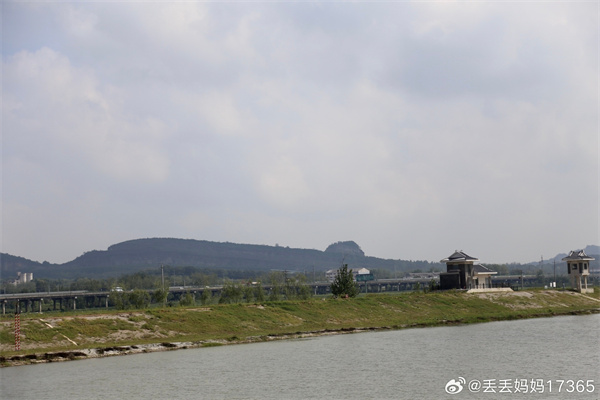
[{"x": 413, "y": 129}]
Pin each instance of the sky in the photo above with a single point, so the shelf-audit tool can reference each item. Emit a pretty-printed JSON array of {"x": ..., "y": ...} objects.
[{"x": 412, "y": 128}]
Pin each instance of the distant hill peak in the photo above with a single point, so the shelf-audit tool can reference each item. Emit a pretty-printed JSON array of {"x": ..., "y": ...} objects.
[
  {"x": 346, "y": 248},
  {"x": 591, "y": 250}
]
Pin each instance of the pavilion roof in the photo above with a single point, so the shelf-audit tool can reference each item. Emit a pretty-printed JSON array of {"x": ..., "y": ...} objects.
[
  {"x": 577, "y": 255},
  {"x": 459, "y": 256}
]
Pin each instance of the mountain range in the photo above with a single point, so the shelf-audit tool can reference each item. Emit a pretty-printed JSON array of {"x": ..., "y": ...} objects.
[
  {"x": 143, "y": 254},
  {"x": 590, "y": 250}
]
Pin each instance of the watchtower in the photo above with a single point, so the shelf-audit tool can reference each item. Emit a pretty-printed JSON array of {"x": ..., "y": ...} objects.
[
  {"x": 578, "y": 266},
  {"x": 459, "y": 271}
]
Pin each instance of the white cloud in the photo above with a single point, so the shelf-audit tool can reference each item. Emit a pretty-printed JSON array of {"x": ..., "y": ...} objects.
[
  {"x": 49, "y": 98},
  {"x": 412, "y": 129}
]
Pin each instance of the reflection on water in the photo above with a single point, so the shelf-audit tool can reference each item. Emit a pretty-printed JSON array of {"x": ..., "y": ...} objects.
[{"x": 406, "y": 364}]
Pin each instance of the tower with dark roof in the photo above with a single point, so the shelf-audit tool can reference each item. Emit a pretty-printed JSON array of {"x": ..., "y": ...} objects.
[
  {"x": 459, "y": 271},
  {"x": 465, "y": 272},
  {"x": 578, "y": 267}
]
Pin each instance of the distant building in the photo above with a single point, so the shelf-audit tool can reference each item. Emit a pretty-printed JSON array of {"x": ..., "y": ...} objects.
[
  {"x": 23, "y": 278},
  {"x": 361, "y": 274},
  {"x": 330, "y": 275},
  {"x": 465, "y": 272},
  {"x": 578, "y": 266}
]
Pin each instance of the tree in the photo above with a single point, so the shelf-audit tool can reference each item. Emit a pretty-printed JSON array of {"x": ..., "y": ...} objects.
[
  {"x": 343, "y": 285},
  {"x": 260, "y": 293},
  {"x": 302, "y": 289},
  {"x": 276, "y": 279},
  {"x": 274, "y": 295},
  {"x": 206, "y": 297},
  {"x": 187, "y": 299},
  {"x": 432, "y": 285},
  {"x": 160, "y": 296},
  {"x": 288, "y": 289},
  {"x": 231, "y": 293},
  {"x": 119, "y": 300},
  {"x": 139, "y": 298},
  {"x": 248, "y": 293}
]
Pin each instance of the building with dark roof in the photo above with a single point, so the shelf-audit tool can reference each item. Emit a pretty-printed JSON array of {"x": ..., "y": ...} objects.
[
  {"x": 482, "y": 276},
  {"x": 578, "y": 267},
  {"x": 465, "y": 272}
]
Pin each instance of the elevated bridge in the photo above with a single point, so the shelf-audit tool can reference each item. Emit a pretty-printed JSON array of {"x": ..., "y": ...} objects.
[{"x": 67, "y": 300}]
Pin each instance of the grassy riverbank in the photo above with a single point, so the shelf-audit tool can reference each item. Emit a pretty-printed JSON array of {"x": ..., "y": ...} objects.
[{"x": 231, "y": 323}]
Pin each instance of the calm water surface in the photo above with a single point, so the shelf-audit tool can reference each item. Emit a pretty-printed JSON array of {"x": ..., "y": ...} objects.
[{"x": 406, "y": 364}]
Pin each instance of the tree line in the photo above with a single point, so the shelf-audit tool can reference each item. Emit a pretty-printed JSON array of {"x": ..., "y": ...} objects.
[
  {"x": 153, "y": 279},
  {"x": 141, "y": 289}
]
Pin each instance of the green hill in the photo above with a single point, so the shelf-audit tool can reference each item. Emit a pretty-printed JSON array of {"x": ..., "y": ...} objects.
[{"x": 142, "y": 254}]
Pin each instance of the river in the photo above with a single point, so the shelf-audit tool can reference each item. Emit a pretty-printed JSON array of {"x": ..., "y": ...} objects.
[{"x": 540, "y": 358}]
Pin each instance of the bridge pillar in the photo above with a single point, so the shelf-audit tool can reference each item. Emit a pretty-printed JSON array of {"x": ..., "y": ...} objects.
[
  {"x": 41, "y": 305},
  {"x": 4, "y": 307},
  {"x": 106, "y": 301},
  {"x": 74, "y": 303}
]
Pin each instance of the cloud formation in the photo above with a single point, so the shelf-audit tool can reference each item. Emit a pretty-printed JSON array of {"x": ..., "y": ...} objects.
[{"x": 412, "y": 128}]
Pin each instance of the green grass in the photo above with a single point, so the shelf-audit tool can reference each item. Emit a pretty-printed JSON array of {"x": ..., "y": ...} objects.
[{"x": 235, "y": 322}]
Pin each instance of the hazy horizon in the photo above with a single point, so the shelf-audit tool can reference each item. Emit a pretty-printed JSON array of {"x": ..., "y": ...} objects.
[{"x": 546, "y": 258}]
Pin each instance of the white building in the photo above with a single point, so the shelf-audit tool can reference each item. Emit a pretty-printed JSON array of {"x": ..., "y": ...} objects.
[
  {"x": 330, "y": 274},
  {"x": 23, "y": 278}
]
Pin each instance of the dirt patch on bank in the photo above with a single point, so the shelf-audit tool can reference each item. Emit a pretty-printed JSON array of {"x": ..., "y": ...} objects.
[
  {"x": 135, "y": 326},
  {"x": 521, "y": 300}
]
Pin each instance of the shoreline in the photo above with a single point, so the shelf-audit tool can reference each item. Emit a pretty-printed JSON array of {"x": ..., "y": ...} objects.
[{"x": 33, "y": 358}]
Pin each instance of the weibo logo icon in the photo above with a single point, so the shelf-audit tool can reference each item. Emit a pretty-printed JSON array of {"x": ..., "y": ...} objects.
[{"x": 455, "y": 386}]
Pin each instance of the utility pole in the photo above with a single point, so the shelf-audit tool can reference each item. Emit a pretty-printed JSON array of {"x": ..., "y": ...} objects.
[
  {"x": 542, "y": 266},
  {"x": 314, "y": 280},
  {"x": 162, "y": 274},
  {"x": 521, "y": 279}
]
